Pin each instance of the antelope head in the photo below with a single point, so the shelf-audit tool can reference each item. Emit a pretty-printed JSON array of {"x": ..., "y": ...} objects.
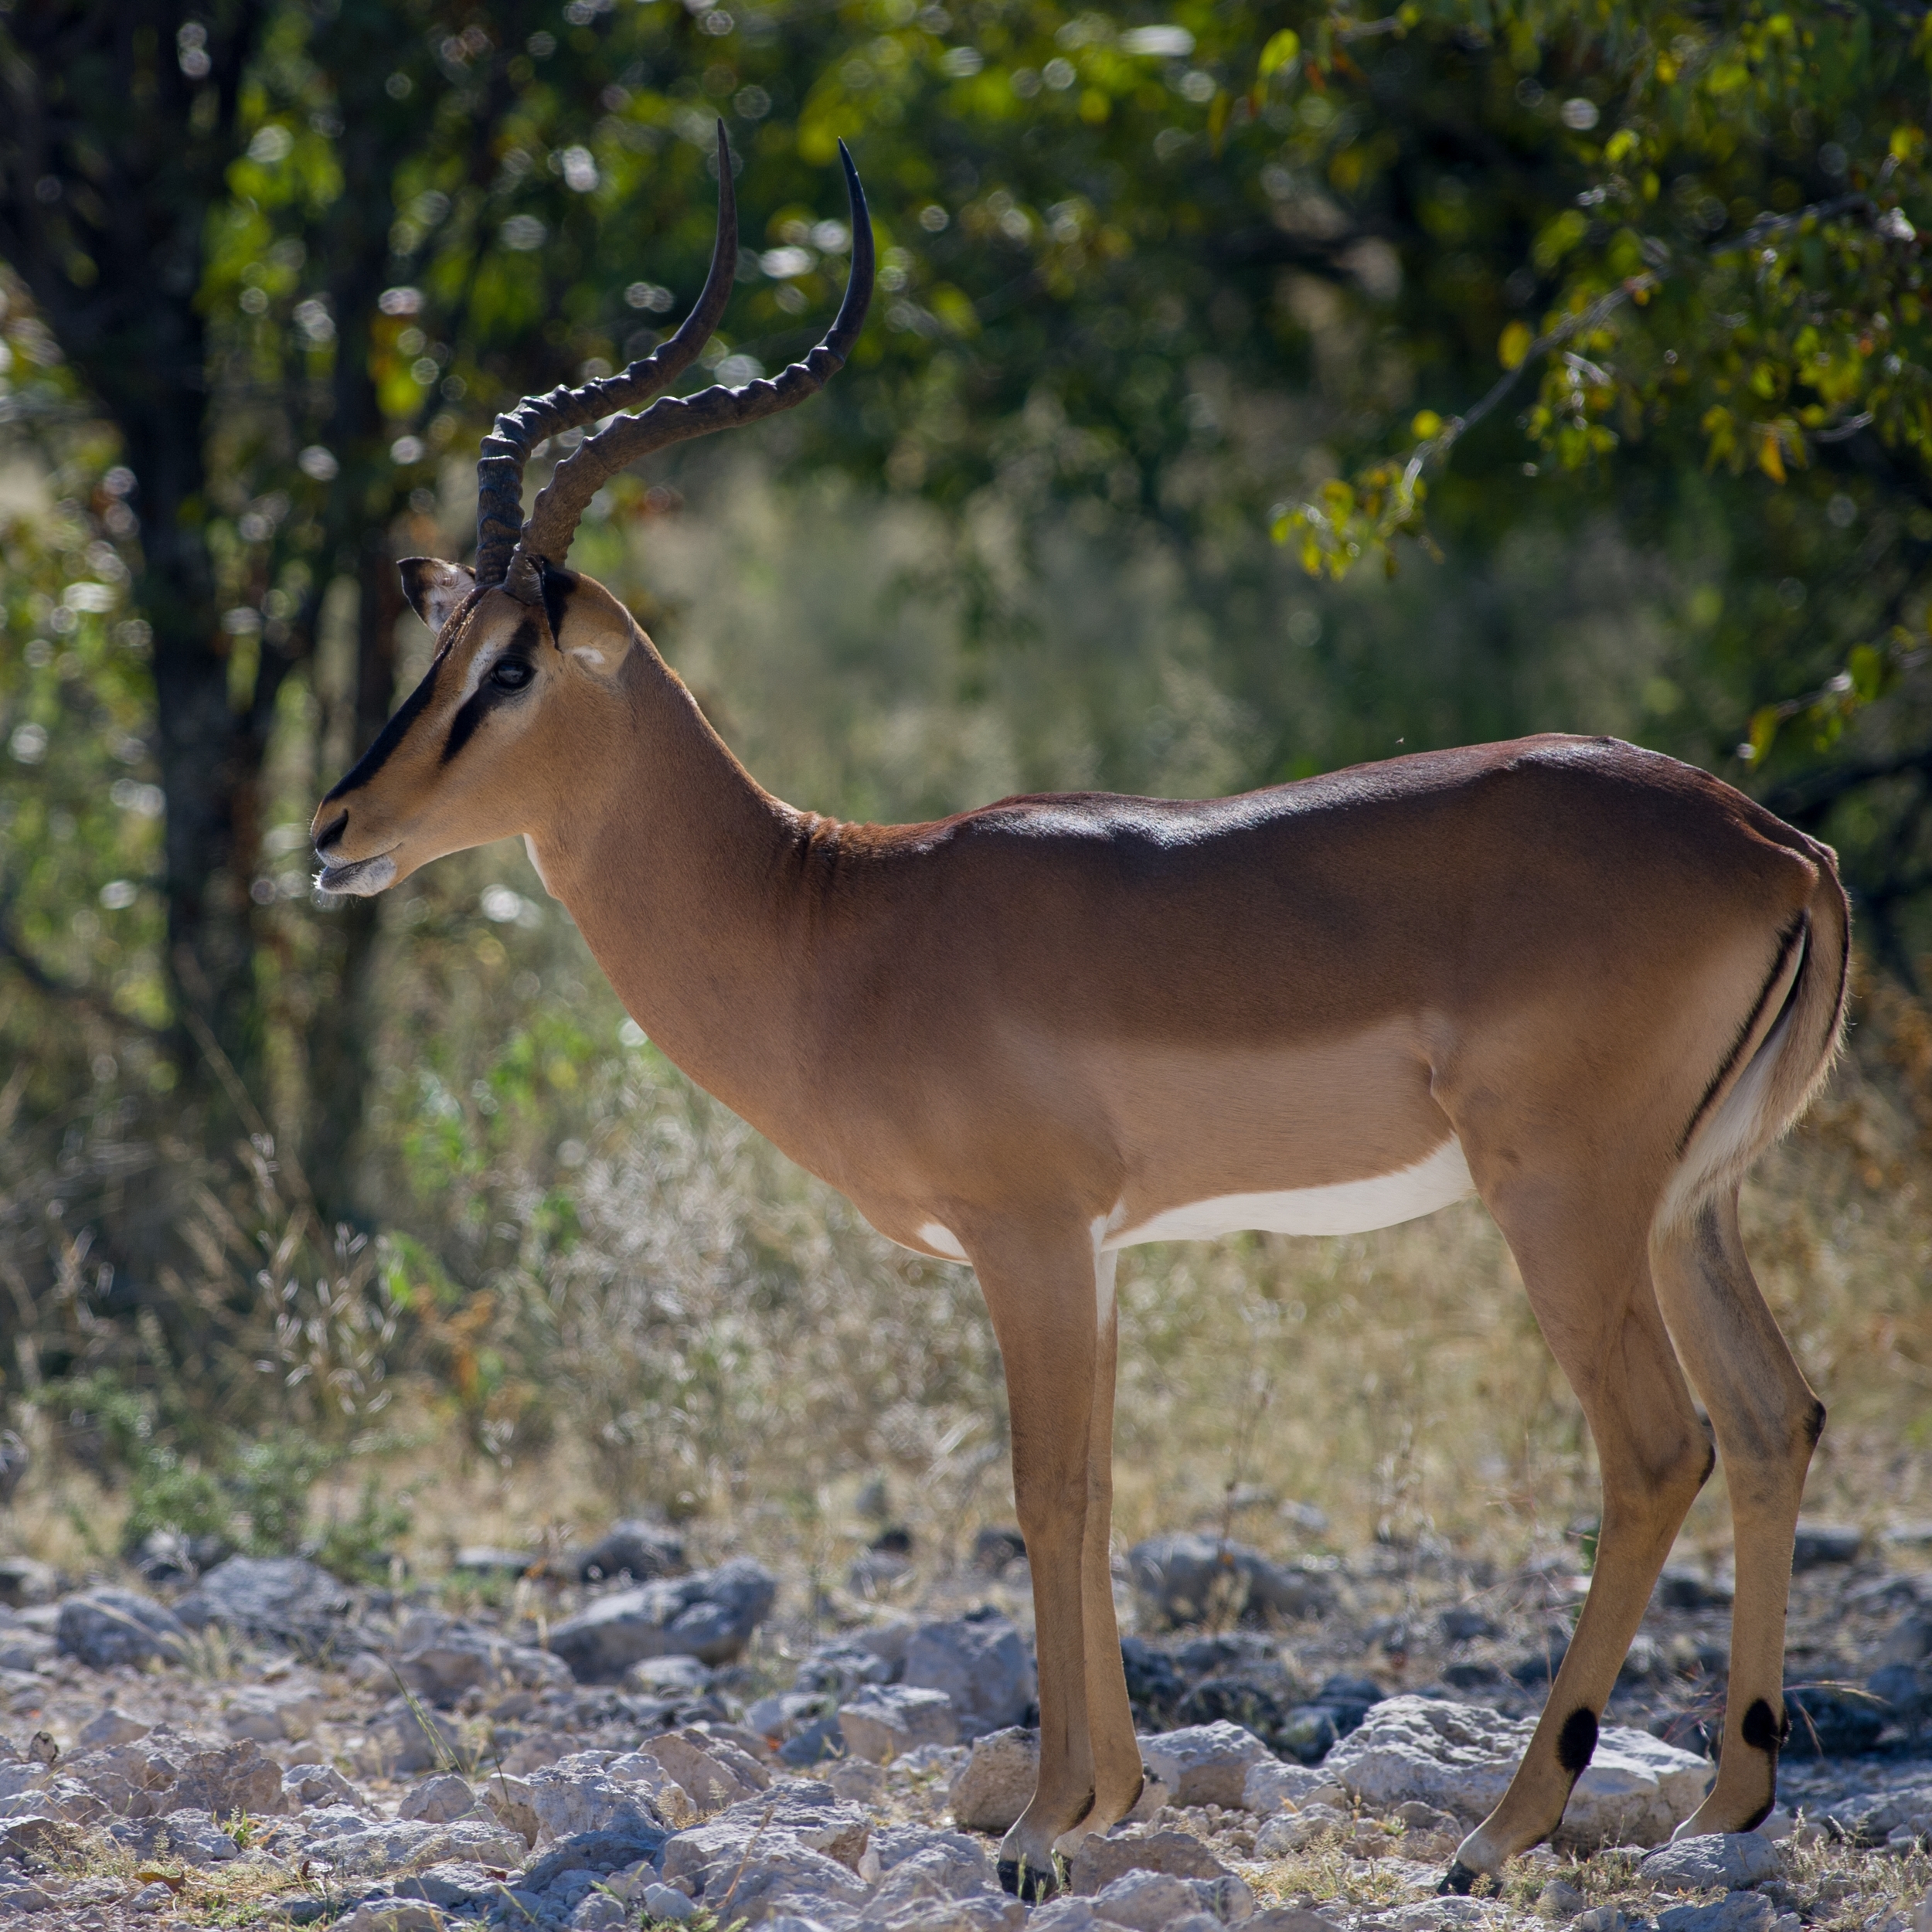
[{"x": 529, "y": 653}]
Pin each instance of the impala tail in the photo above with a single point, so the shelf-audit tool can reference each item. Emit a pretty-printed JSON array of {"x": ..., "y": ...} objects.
[{"x": 1782, "y": 1053}]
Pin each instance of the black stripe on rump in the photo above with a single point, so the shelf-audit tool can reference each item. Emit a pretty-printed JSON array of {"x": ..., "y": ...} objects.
[
  {"x": 1793, "y": 935},
  {"x": 392, "y": 734},
  {"x": 487, "y": 696}
]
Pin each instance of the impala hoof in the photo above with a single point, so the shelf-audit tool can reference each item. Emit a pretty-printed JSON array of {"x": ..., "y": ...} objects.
[
  {"x": 1028, "y": 1881},
  {"x": 1458, "y": 1881}
]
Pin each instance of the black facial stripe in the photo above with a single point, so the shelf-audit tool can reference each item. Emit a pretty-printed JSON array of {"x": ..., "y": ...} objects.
[
  {"x": 392, "y": 734},
  {"x": 487, "y": 696},
  {"x": 558, "y": 584}
]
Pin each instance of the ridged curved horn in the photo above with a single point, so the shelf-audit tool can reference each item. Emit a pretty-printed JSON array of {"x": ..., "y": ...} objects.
[
  {"x": 499, "y": 506},
  {"x": 673, "y": 419}
]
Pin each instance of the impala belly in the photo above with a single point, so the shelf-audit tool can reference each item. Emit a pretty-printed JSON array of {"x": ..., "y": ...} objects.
[{"x": 1344, "y": 1207}]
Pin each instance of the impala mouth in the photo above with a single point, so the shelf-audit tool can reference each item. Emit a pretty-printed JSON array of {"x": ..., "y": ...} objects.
[{"x": 358, "y": 878}]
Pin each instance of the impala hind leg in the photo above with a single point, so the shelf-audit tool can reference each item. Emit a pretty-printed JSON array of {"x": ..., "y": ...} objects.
[
  {"x": 1117, "y": 1751},
  {"x": 1042, "y": 1296},
  {"x": 1768, "y": 1421},
  {"x": 1591, "y": 1287}
]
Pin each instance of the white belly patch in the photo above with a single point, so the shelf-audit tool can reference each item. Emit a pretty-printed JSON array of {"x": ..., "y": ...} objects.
[
  {"x": 942, "y": 1240},
  {"x": 1347, "y": 1207}
]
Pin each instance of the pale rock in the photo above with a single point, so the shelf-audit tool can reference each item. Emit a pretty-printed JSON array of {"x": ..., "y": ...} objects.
[
  {"x": 579, "y": 1794},
  {"x": 995, "y": 1783},
  {"x": 598, "y": 1912},
  {"x": 156, "y": 1897},
  {"x": 313, "y": 1784},
  {"x": 110, "y": 1726},
  {"x": 1269, "y": 1785},
  {"x": 1735, "y": 1860},
  {"x": 713, "y": 1772},
  {"x": 885, "y": 1721},
  {"x": 514, "y": 1803},
  {"x": 444, "y": 1663},
  {"x": 781, "y": 1872},
  {"x": 407, "y": 1737},
  {"x": 1105, "y": 1856},
  {"x": 191, "y": 1835},
  {"x": 1460, "y": 1757},
  {"x": 1206, "y": 1763},
  {"x": 273, "y": 1713},
  {"x": 166, "y": 1771},
  {"x": 1299, "y": 1830},
  {"x": 376, "y": 1848},
  {"x": 667, "y": 1902},
  {"x": 796, "y": 1812},
  {"x": 1559, "y": 1901},
  {"x": 1152, "y": 1901},
  {"x": 980, "y": 1660},
  {"x": 391, "y": 1915},
  {"x": 1290, "y": 1918},
  {"x": 453, "y": 1884},
  {"x": 437, "y": 1800}
]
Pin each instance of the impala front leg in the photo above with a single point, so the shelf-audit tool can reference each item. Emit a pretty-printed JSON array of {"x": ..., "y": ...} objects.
[
  {"x": 1118, "y": 1771},
  {"x": 1041, "y": 1293}
]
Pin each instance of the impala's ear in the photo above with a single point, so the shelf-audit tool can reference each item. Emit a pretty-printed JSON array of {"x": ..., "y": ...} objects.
[{"x": 435, "y": 588}]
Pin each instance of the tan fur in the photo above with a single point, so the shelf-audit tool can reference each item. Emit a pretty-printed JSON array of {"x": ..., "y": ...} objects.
[{"x": 1022, "y": 1024}]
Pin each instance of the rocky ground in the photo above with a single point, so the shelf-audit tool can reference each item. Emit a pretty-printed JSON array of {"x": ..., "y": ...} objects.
[{"x": 613, "y": 1739}]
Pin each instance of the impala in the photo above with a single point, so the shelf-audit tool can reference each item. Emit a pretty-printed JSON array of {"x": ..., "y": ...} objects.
[{"x": 1587, "y": 983}]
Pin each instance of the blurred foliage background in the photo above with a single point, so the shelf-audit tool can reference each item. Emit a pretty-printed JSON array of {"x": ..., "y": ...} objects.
[{"x": 1596, "y": 330}]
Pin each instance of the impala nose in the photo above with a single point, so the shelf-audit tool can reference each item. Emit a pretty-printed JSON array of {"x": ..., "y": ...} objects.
[{"x": 330, "y": 834}]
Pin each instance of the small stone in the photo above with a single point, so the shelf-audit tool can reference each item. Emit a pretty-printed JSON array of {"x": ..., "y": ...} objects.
[
  {"x": 887, "y": 1720},
  {"x": 994, "y": 1549},
  {"x": 437, "y": 1800},
  {"x": 1735, "y": 1860},
  {"x": 599, "y": 1912},
  {"x": 1183, "y": 1578},
  {"x": 156, "y": 1897},
  {"x": 1922, "y": 1915},
  {"x": 313, "y": 1784},
  {"x": 980, "y": 1660},
  {"x": 110, "y": 1726},
  {"x": 709, "y": 1615},
  {"x": 1557, "y": 1900},
  {"x": 666, "y": 1902},
  {"x": 1735, "y": 1912},
  {"x": 390, "y": 1915},
  {"x": 283, "y": 1600},
  {"x": 1817, "y": 1544},
  {"x": 713, "y": 1772},
  {"x": 25, "y": 1581},
  {"x": 1204, "y": 1764},
  {"x": 1105, "y": 1857},
  {"x": 104, "y": 1627},
  {"x": 1292, "y": 1831},
  {"x": 995, "y": 1783},
  {"x": 1290, "y": 1918},
  {"x": 1146, "y": 1901},
  {"x": 1269, "y": 1785}
]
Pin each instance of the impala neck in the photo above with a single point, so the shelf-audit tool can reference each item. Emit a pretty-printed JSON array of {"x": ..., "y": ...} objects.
[{"x": 670, "y": 858}]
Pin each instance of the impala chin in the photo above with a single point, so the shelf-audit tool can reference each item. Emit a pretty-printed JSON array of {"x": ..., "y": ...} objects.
[{"x": 358, "y": 878}]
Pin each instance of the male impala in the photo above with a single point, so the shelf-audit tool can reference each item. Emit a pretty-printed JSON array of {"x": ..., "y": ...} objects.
[{"x": 1587, "y": 983}]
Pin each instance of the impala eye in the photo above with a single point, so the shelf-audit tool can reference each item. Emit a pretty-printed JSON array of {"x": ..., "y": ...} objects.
[{"x": 510, "y": 674}]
